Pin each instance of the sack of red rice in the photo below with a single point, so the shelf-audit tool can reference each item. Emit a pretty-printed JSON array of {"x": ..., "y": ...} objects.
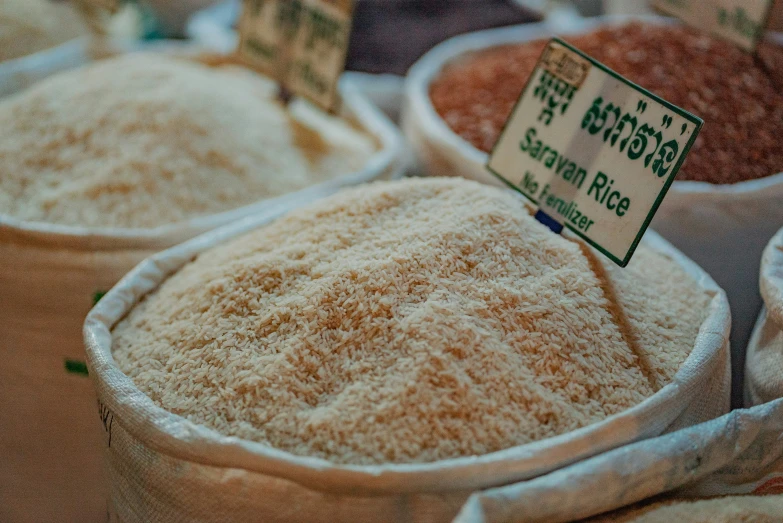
[
  {"x": 99, "y": 168},
  {"x": 726, "y": 202},
  {"x": 380, "y": 354}
]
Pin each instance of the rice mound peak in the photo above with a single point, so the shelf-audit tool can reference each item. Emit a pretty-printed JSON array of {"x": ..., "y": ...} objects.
[
  {"x": 408, "y": 321},
  {"x": 143, "y": 140}
]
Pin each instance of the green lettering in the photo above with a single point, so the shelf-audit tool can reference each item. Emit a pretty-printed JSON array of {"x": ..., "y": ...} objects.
[
  {"x": 581, "y": 174},
  {"x": 550, "y": 162},
  {"x": 535, "y": 149},
  {"x": 560, "y": 163},
  {"x": 569, "y": 172},
  {"x": 623, "y": 206},
  {"x": 609, "y": 204},
  {"x": 529, "y": 135},
  {"x": 599, "y": 182}
]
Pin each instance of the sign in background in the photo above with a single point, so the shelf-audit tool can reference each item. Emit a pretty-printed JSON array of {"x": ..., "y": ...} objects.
[
  {"x": 594, "y": 151},
  {"x": 300, "y": 43},
  {"x": 740, "y": 21}
]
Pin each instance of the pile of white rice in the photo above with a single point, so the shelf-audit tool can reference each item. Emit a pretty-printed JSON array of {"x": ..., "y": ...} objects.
[
  {"x": 409, "y": 322},
  {"x": 144, "y": 140}
]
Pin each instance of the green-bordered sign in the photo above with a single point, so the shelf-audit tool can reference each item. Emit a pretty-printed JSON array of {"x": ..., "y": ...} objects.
[
  {"x": 740, "y": 21},
  {"x": 301, "y": 43},
  {"x": 594, "y": 151}
]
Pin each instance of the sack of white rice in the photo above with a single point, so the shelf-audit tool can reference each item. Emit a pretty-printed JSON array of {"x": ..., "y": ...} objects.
[
  {"x": 764, "y": 365},
  {"x": 379, "y": 354},
  {"x": 29, "y": 26},
  {"x": 725, "y": 203},
  {"x": 102, "y": 166},
  {"x": 41, "y": 37},
  {"x": 740, "y": 453}
]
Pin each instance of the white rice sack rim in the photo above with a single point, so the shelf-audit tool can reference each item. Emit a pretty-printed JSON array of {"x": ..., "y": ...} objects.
[
  {"x": 177, "y": 437},
  {"x": 681, "y": 194},
  {"x": 772, "y": 278},
  {"x": 387, "y": 159}
]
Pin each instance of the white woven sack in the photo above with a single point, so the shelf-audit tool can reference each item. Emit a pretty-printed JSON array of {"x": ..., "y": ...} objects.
[
  {"x": 166, "y": 468},
  {"x": 764, "y": 364},
  {"x": 213, "y": 27},
  {"x": 723, "y": 228},
  {"x": 50, "y": 465},
  {"x": 384, "y": 90},
  {"x": 18, "y": 73},
  {"x": 739, "y": 453}
]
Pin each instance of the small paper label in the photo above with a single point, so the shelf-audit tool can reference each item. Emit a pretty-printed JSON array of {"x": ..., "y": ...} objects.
[
  {"x": 300, "y": 43},
  {"x": 740, "y": 21},
  {"x": 565, "y": 65},
  {"x": 596, "y": 155}
]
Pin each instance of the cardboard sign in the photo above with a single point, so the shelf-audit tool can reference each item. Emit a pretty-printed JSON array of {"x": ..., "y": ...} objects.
[
  {"x": 301, "y": 43},
  {"x": 594, "y": 151},
  {"x": 740, "y": 21},
  {"x": 96, "y": 14}
]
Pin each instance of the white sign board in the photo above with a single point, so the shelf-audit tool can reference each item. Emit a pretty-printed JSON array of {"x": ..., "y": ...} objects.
[
  {"x": 740, "y": 21},
  {"x": 301, "y": 43},
  {"x": 594, "y": 151}
]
